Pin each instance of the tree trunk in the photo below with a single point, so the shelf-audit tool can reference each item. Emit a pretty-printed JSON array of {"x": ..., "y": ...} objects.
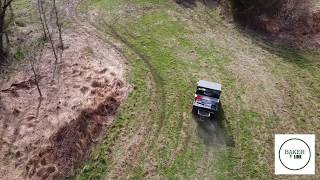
[
  {"x": 41, "y": 19},
  {"x": 36, "y": 80},
  {"x": 45, "y": 21},
  {"x": 58, "y": 24},
  {"x": 2, "y": 51}
]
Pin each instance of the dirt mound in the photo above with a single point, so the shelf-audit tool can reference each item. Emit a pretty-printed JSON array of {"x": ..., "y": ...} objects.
[{"x": 71, "y": 143}]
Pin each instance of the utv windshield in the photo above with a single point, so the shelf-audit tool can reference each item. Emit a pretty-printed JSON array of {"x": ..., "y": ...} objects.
[{"x": 208, "y": 92}]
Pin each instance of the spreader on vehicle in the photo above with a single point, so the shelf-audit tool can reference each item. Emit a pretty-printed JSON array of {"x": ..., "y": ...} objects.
[{"x": 207, "y": 99}]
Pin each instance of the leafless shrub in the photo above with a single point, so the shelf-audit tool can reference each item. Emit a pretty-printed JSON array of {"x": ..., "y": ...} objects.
[{"x": 36, "y": 52}]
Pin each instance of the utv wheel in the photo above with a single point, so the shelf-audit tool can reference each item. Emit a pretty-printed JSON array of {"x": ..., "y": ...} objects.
[
  {"x": 194, "y": 110},
  {"x": 211, "y": 117}
]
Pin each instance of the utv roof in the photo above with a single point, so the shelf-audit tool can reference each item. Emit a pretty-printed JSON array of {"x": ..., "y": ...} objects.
[{"x": 209, "y": 85}]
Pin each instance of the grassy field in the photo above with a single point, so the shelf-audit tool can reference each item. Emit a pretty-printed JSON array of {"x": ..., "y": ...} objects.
[{"x": 267, "y": 89}]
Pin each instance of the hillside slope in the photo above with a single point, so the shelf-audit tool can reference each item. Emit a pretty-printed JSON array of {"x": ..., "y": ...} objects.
[{"x": 46, "y": 137}]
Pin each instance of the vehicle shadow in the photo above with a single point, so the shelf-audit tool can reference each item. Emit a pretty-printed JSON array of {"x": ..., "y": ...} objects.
[{"x": 214, "y": 131}]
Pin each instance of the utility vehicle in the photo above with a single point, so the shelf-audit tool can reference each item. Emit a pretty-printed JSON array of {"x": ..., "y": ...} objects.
[{"x": 207, "y": 99}]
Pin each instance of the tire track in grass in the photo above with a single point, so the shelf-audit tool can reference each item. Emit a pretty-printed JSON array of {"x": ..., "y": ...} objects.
[
  {"x": 101, "y": 34},
  {"x": 180, "y": 149},
  {"x": 91, "y": 29},
  {"x": 94, "y": 30},
  {"x": 159, "y": 85},
  {"x": 155, "y": 74},
  {"x": 160, "y": 82}
]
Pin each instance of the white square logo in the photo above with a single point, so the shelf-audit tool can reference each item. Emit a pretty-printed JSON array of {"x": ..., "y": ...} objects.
[{"x": 294, "y": 154}]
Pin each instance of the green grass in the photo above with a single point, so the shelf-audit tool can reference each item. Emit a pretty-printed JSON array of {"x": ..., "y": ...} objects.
[{"x": 169, "y": 49}]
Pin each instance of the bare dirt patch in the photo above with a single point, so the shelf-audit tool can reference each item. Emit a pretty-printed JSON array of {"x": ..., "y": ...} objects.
[{"x": 47, "y": 138}]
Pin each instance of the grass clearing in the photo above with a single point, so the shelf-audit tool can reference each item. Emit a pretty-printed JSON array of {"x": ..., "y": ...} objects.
[{"x": 169, "y": 49}]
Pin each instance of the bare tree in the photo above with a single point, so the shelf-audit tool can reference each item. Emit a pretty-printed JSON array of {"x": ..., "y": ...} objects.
[
  {"x": 58, "y": 24},
  {"x": 36, "y": 78},
  {"x": 40, "y": 9},
  {"x": 36, "y": 56},
  {"x": 5, "y": 4},
  {"x": 45, "y": 23}
]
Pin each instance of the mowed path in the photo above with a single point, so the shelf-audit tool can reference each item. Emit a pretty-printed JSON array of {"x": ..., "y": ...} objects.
[{"x": 267, "y": 89}]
